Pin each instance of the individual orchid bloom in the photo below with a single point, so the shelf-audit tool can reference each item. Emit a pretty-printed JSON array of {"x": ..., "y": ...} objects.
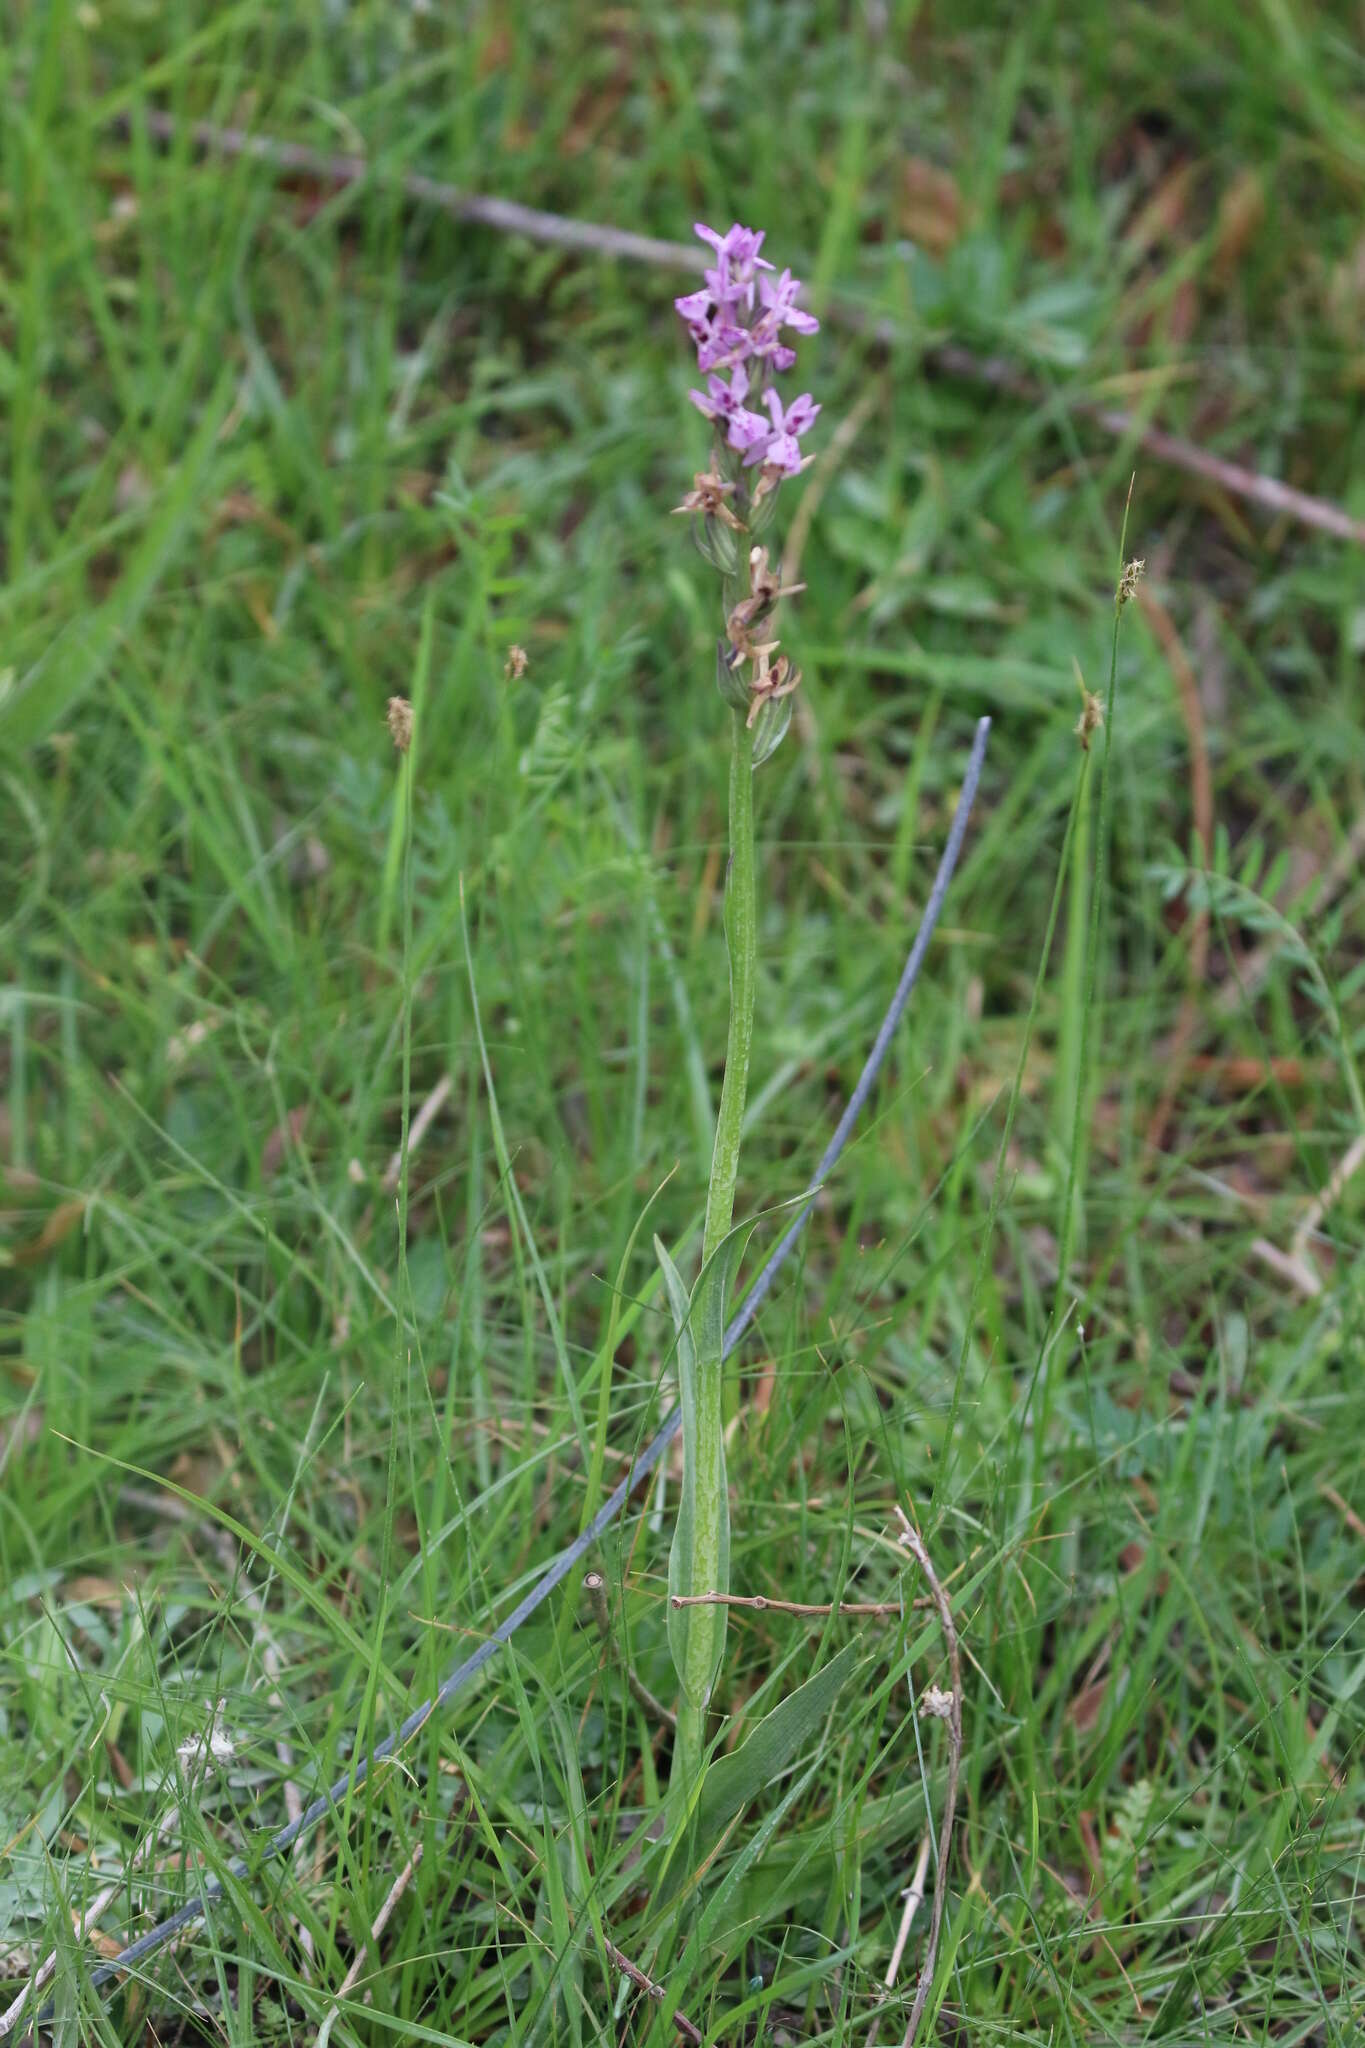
[
  {"x": 697, "y": 309},
  {"x": 781, "y": 446},
  {"x": 780, "y": 310},
  {"x": 737, "y": 262},
  {"x": 779, "y": 303},
  {"x": 747, "y": 431},
  {"x": 723, "y": 345},
  {"x": 771, "y": 680},
  {"x": 721, "y": 401}
]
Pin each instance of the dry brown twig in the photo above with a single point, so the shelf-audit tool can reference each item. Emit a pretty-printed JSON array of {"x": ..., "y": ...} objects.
[
  {"x": 914, "y": 1899},
  {"x": 595, "y": 1586},
  {"x": 1343, "y": 1508},
  {"x": 652, "y": 1990},
  {"x": 759, "y": 1603},
  {"x": 1345, "y": 1170},
  {"x": 1296, "y": 1265},
  {"x": 377, "y": 1926},
  {"x": 422, "y": 1121},
  {"x": 946, "y": 1707},
  {"x": 949, "y": 359}
]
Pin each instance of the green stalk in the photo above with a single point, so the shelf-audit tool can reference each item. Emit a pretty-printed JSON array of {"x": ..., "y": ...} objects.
[
  {"x": 708, "y": 1562},
  {"x": 741, "y": 937}
]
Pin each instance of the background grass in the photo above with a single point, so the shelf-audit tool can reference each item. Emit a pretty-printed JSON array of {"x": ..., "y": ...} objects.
[{"x": 261, "y": 436}]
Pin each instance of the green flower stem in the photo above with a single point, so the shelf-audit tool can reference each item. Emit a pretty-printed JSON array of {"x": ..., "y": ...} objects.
[
  {"x": 741, "y": 935},
  {"x": 710, "y": 1549}
]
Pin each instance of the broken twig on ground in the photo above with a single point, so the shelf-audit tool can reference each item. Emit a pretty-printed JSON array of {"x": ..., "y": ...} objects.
[
  {"x": 948, "y": 359},
  {"x": 945, "y": 1707}
]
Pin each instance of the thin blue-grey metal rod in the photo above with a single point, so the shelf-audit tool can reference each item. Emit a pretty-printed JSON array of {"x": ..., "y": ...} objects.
[{"x": 554, "y": 1575}]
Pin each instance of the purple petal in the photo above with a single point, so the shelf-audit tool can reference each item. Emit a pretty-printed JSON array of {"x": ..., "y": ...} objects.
[
  {"x": 694, "y": 306},
  {"x": 748, "y": 431},
  {"x": 784, "y": 453}
]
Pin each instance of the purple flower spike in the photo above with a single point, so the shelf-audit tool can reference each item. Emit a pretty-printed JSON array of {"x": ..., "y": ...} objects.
[{"x": 737, "y": 321}]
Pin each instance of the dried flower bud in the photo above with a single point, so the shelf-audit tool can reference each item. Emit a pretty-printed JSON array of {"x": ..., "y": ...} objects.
[
  {"x": 771, "y": 679},
  {"x": 707, "y": 496},
  {"x": 1129, "y": 580},
  {"x": 765, "y": 588},
  {"x": 765, "y": 582},
  {"x": 400, "y": 723},
  {"x": 514, "y": 668},
  {"x": 1091, "y": 718}
]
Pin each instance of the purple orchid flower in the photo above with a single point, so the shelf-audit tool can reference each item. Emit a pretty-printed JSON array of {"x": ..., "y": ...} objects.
[
  {"x": 746, "y": 432},
  {"x": 721, "y": 401},
  {"x": 780, "y": 447},
  {"x": 696, "y": 309},
  {"x": 737, "y": 263},
  {"x": 780, "y": 307},
  {"x": 725, "y": 402},
  {"x": 779, "y": 310},
  {"x": 725, "y": 346}
]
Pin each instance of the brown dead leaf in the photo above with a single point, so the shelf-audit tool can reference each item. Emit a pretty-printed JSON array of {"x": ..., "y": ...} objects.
[
  {"x": 1164, "y": 212},
  {"x": 88, "y": 1591},
  {"x": 495, "y": 53},
  {"x": 1240, "y": 213},
  {"x": 283, "y": 1135},
  {"x": 120, "y": 1765},
  {"x": 58, "y": 1227},
  {"x": 1085, "y": 1709},
  {"x": 1183, "y": 316},
  {"x": 931, "y": 208},
  {"x": 1238, "y": 1072},
  {"x": 1090, "y": 1842}
]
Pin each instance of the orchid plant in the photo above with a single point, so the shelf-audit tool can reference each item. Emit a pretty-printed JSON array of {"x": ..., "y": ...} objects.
[{"x": 740, "y": 321}]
